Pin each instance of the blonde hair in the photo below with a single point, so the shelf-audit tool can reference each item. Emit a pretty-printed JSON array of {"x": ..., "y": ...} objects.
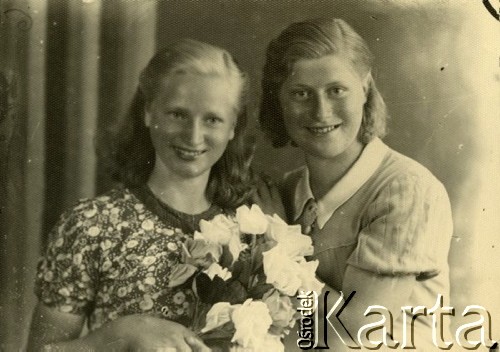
[
  {"x": 313, "y": 39},
  {"x": 131, "y": 152},
  {"x": 190, "y": 56}
]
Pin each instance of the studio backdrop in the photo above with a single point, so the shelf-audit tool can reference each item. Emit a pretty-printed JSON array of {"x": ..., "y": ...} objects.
[{"x": 69, "y": 68}]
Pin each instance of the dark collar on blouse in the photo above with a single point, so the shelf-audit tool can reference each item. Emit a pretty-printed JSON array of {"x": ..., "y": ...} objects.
[{"x": 188, "y": 223}]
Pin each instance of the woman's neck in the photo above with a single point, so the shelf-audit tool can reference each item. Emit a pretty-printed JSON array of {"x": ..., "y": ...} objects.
[
  {"x": 187, "y": 195},
  {"x": 324, "y": 173}
]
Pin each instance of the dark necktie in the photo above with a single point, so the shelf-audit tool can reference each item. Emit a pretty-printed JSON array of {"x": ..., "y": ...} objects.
[{"x": 307, "y": 219}]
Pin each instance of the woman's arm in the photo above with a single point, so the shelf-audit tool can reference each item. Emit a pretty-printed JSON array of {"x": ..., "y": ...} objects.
[
  {"x": 53, "y": 330},
  {"x": 407, "y": 235},
  {"x": 391, "y": 292},
  {"x": 371, "y": 289},
  {"x": 49, "y": 325}
]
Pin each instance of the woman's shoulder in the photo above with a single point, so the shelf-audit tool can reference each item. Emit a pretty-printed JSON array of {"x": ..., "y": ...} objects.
[
  {"x": 397, "y": 168},
  {"x": 290, "y": 178},
  {"x": 90, "y": 214},
  {"x": 115, "y": 197}
]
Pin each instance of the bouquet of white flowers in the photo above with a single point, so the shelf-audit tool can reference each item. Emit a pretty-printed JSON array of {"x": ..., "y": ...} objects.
[{"x": 243, "y": 269}]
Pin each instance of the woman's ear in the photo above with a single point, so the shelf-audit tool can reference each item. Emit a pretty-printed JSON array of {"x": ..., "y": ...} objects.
[
  {"x": 366, "y": 83},
  {"x": 232, "y": 133}
]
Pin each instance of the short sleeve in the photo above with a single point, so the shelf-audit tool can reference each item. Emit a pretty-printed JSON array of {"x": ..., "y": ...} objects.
[
  {"x": 68, "y": 272},
  {"x": 407, "y": 229}
]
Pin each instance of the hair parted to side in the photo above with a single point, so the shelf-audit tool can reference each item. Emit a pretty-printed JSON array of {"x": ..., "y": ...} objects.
[
  {"x": 131, "y": 153},
  {"x": 312, "y": 39}
]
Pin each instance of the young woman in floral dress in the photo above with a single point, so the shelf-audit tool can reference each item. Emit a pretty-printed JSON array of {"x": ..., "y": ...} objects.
[{"x": 181, "y": 157}]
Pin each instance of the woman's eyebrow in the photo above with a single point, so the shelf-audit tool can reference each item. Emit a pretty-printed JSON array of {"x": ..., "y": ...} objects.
[
  {"x": 305, "y": 85},
  {"x": 176, "y": 108}
]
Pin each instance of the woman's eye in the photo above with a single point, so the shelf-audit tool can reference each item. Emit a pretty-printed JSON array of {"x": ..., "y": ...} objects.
[
  {"x": 177, "y": 115},
  {"x": 212, "y": 120},
  {"x": 336, "y": 91},
  {"x": 300, "y": 95}
]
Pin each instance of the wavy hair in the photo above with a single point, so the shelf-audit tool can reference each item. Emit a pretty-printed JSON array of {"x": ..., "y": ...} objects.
[
  {"x": 314, "y": 39},
  {"x": 130, "y": 150}
]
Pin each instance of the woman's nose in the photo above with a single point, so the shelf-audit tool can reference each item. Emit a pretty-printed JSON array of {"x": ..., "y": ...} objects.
[
  {"x": 322, "y": 108},
  {"x": 194, "y": 132}
]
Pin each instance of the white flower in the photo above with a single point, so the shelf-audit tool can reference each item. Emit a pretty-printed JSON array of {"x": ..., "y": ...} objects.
[
  {"x": 251, "y": 220},
  {"x": 277, "y": 227},
  {"x": 199, "y": 237},
  {"x": 307, "y": 275},
  {"x": 236, "y": 247},
  {"x": 289, "y": 275},
  {"x": 299, "y": 246},
  {"x": 295, "y": 243},
  {"x": 280, "y": 308},
  {"x": 215, "y": 269},
  {"x": 218, "y": 315},
  {"x": 219, "y": 230},
  {"x": 251, "y": 321},
  {"x": 281, "y": 271}
]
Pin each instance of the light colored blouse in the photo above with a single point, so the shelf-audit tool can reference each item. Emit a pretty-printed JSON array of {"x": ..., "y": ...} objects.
[{"x": 388, "y": 215}]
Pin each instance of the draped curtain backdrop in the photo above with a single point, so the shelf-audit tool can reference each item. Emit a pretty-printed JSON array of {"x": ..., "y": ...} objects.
[{"x": 68, "y": 69}]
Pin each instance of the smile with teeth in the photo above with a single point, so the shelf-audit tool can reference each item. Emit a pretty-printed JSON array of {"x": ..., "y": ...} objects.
[
  {"x": 324, "y": 129},
  {"x": 188, "y": 152}
]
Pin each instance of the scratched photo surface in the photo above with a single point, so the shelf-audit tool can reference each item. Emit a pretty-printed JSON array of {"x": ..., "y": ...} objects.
[{"x": 69, "y": 69}]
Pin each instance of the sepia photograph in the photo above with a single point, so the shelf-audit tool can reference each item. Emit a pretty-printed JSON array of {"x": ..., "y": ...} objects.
[{"x": 249, "y": 175}]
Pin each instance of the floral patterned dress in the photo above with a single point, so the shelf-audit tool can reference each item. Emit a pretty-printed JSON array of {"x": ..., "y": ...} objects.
[{"x": 111, "y": 256}]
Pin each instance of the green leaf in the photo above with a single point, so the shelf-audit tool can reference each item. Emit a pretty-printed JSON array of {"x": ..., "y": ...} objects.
[{"x": 180, "y": 274}]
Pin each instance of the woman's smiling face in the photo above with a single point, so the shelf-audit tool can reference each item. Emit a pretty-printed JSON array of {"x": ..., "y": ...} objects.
[
  {"x": 191, "y": 120},
  {"x": 322, "y": 102}
]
